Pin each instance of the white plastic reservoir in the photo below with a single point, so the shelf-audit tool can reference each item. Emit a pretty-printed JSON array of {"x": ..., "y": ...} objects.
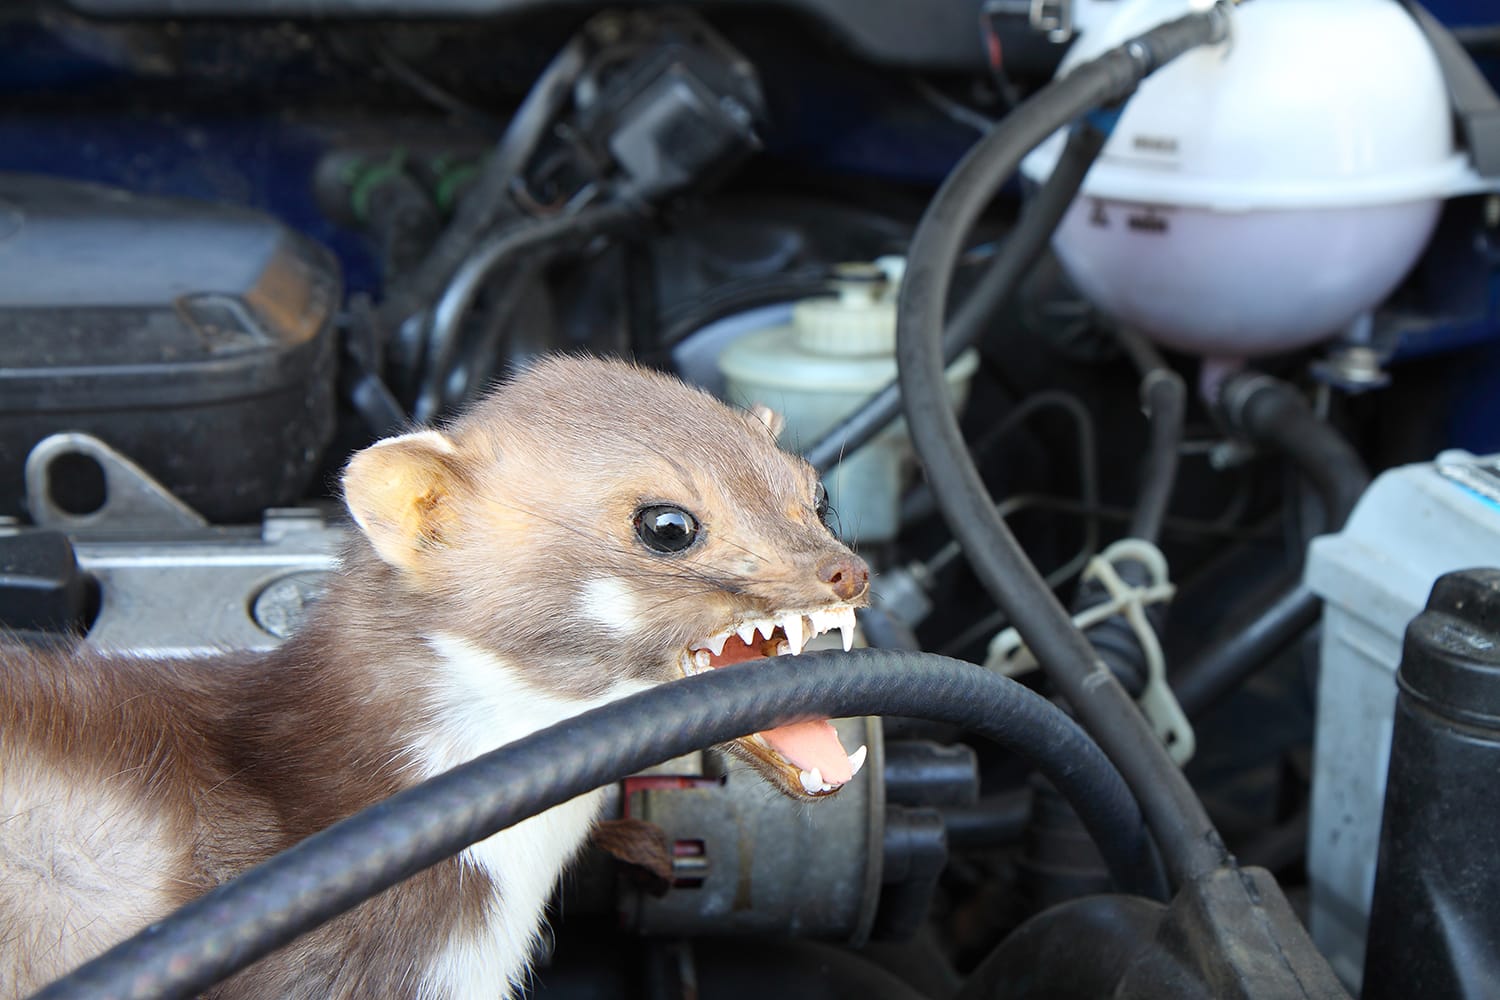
[
  {"x": 1413, "y": 525},
  {"x": 837, "y": 351},
  {"x": 1259, "y": 195}
]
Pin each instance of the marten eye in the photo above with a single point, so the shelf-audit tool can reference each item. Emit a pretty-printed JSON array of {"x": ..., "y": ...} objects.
[
  {"x": 665, "y": 528},
  {"x": 820, "y": 503}
]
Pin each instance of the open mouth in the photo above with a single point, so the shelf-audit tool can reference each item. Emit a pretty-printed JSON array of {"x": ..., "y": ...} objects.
[{"x": 807, "y": 754}]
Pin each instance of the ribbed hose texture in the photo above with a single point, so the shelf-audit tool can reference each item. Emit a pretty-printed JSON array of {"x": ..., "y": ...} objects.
[
  {"x": 1189, "y": 844},
  {"x": 333, "y": 871}
]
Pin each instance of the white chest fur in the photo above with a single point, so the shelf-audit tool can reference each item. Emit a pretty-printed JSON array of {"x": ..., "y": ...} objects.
[{"x": 483, "y": 704}]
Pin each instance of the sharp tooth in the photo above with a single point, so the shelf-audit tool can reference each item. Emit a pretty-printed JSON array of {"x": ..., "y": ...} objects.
[
  {"x": 812, "y": 781},
  {"x": 792, "y": 626},
  {"x": 782, "y": 648},
  {"x": 765, "y": 627},
  {"x": 716, "y": 644},
  {"x": 702, "y": 659},
  {"x": 746, "y": 632},
  {"x": 857, "y": 760},
  {"x": 846, "y": 626}
]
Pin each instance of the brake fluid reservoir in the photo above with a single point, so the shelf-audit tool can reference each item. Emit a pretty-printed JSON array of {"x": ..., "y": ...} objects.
[{"x": 837, "y": 351}]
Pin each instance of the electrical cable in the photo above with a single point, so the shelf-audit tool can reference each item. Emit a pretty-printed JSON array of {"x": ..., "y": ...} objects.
[
  {"x": 1088, "y": 477},
  {"x": 1190, "y": 846},
  {"x": 1014, "y": 260},
  {"x": 502, "y": 249},
  {"x": 486, "y": 200},
  {"x": 268, "y": 906}
]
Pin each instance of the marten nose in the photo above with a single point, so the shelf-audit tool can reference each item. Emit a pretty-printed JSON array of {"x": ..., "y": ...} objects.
[{"x": 846, "y": 575}]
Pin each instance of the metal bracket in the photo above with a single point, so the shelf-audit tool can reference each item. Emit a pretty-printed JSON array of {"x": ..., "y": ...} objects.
[{"x": 133, "y": 501}]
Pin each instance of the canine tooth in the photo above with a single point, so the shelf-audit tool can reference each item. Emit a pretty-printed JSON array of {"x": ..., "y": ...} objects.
[
  {"x": 716, "y": 644},
  {"x": 812, "y": 781},
  {"x": 857, "y": 760},
  {"x": 846, "y": 629},
  {"x": 746, "y": 632},
  {"x": 783, "y": 648},
  {"x": 702, "y": 659},
  {"x": 792, "y": 626}
]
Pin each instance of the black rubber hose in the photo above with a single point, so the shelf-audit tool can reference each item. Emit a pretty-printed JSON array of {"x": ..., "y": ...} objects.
[
  {"x": 532, "y": 239},
  {"x": 1018, "y": 253},
  {"x": 1219, "y": 670},
  {"x": 1273, "y": 415},
  {"x": 1190, "y": 845},
  {"x": 487, "y": 198},
  {"x": 1164, "y": 397},
  {"x": 333, "y": 871}
]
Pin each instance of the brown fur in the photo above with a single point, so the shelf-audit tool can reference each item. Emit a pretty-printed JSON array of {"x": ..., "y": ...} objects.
[{"x": 490, "y": 533}]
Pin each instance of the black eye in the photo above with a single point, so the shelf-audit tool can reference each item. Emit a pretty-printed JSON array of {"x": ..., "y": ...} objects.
[
  {"x": 665, "y": 528},
  {"x": 820, "y": 502}
]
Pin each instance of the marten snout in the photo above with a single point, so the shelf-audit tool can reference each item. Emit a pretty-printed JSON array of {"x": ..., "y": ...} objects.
[{"x": 846, "y": 575}]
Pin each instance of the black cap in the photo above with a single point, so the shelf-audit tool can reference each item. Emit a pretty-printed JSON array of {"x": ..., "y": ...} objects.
[{"x": 1451, "y": 660}]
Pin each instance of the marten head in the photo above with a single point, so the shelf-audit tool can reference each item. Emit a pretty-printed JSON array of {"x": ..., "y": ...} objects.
[{"x": 596, "y": 526}]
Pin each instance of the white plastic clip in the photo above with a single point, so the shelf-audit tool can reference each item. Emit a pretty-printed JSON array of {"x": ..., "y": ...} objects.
[{"x": 1009, "y": 655}]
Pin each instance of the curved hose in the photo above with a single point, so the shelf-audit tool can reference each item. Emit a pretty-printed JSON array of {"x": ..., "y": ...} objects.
[
  {"x": 486, "y": 200},
  {"x": 502, "y": 249},
  {"x": 1164, "y": 397},
  {"x": 1017, "y": 255},
  {"x": 1190, "y": 845},
  {"x": 333, "y": 871},
  {"x": 1273, "y": 415}
]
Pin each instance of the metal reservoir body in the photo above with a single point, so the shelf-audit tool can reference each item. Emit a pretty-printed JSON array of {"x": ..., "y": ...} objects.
[{"x": 837, "y": 351}]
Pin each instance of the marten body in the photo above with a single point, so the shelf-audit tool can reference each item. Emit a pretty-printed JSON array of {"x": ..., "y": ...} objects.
[{"x": 587, "y": 531}]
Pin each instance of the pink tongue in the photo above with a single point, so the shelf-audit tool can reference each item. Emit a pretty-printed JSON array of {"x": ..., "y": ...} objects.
[{"x": 812, "y": 745}]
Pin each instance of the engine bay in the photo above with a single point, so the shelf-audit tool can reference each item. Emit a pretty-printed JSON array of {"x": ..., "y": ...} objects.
[{"x": 1194, "y": 391}]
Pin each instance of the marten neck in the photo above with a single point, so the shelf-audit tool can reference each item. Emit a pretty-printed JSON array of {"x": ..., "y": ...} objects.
[{"x": 378, "y": 691}]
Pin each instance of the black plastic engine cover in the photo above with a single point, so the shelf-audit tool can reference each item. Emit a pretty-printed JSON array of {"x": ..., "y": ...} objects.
[{"x": 195, "y": 338}]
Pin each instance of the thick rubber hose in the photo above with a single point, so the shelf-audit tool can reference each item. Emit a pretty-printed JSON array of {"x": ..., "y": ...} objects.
[
  {"x": 1018, "y": 253},
  {"x": 1274, "y": 415},
  {"x": 333, "y": 871},
  {"x": 1190, "y": 845}
]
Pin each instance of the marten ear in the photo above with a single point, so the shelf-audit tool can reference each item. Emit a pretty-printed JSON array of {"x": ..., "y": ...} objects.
[
  {"x": 399, "y": 492},
  {"x": 766, "y": 417}
]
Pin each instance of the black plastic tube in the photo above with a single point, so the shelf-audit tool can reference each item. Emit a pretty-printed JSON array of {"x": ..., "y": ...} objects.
[
  {"x": 1190, "y": 846},
  {"x": 1018, "y": 253},
  {"x": 1164, "y": 397},
  {"x": 333, "y": 871}
]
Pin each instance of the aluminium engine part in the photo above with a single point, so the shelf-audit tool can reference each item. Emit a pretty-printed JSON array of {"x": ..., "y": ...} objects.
[
  {"x": 169, "y": 583},
  {"x": 196, "y": 338},
  {"x": 1260, "y": 196},
  {"x": 1413, "y": 524}
]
